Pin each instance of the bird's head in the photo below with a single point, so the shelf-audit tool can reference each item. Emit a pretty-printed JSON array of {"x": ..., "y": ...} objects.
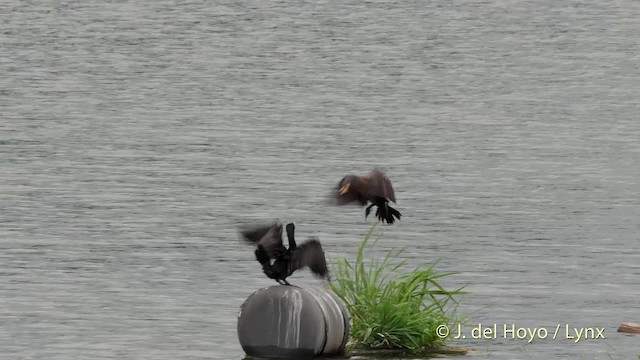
[
  {"x": 290, "y": 227},
  {"x": 345, "y": 185}
]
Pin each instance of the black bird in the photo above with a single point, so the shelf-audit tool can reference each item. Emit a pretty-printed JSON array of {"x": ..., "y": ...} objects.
[
  {"x": 375, "y": 188},
  {"x": 285, "y": 260}
]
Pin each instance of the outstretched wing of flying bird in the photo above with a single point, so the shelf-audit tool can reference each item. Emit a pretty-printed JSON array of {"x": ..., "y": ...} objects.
[
  {"x": 267, "y": 237},
  {"x": 310, "y": 254},
  {"x": 380, "y": 185}
]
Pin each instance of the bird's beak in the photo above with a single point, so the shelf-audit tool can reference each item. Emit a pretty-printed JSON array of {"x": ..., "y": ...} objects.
[{"x": 343, "y": 190}]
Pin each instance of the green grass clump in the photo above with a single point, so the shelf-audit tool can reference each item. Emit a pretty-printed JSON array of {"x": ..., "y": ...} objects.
[{"x": 392, "y": 310}]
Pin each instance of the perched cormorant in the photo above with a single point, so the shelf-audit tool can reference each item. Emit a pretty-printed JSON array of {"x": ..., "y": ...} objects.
[
  {"x": 285, "y": 261},
  {"x": 374, "y": 188}
]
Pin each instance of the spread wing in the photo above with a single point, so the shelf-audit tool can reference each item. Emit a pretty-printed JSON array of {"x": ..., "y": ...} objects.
[
  {"x": 378, "y": 184},
  {"x": 268, "y": 237},
  {"x": 254, "y": 234},
  {"x": 310, "y": 254}
]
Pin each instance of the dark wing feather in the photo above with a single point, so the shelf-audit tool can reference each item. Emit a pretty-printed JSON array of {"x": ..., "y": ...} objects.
[
  {"x": 254, "y": 234},
  {"x": 262, "y": 256},
  {"x": 268, "y": 237},
  {"x": 310, "y": 254},
  {"x": 380, "y": 185},
  {"x": 272, "y": 241}
]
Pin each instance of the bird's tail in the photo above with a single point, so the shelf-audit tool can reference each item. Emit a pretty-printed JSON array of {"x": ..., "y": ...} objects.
[{"x": 386, "y": 213}]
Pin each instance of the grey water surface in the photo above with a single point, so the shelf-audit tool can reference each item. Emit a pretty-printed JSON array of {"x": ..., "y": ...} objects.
[{"x": 136, "y": 136}]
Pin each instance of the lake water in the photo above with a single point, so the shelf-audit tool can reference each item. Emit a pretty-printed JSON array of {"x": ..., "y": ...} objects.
[{"x": 135, "y": 137}]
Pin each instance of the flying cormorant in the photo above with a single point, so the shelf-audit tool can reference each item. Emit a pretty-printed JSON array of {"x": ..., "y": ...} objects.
[{"x": 375, "y": 188}]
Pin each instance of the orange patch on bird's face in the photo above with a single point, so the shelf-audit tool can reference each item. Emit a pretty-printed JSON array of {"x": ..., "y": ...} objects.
[{"x": 344, "y": 189}]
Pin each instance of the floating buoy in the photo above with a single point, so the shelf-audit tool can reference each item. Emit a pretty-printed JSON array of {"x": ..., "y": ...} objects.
[
  {"x": 629, "y": 327},
  {"x": 293, "y": 322}
]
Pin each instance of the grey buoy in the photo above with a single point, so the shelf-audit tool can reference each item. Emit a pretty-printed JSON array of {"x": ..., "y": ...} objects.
[{"x": 290, "y": 321}]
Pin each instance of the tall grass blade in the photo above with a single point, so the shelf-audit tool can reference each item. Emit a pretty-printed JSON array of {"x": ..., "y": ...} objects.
[{"x": 390, "y": 309}]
